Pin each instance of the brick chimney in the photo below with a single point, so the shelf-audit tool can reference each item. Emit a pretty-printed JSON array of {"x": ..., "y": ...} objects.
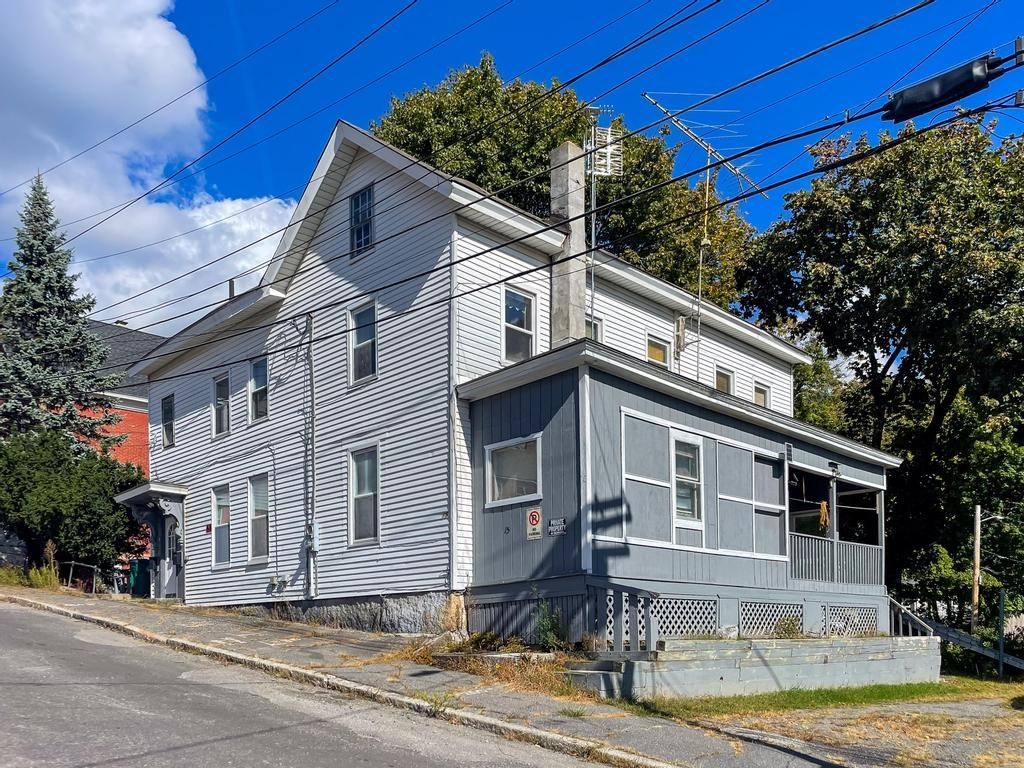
[{"x": 569, "y": 277}]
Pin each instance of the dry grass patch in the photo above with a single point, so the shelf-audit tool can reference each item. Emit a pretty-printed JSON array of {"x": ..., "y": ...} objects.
[{"x": 545, "y": 676}]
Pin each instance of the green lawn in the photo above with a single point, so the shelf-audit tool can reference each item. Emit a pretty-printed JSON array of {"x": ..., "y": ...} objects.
[{"x": 949, "y": 688}]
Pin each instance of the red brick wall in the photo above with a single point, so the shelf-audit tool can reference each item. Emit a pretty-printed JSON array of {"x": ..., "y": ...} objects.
[{"x": 135, "y": 448}]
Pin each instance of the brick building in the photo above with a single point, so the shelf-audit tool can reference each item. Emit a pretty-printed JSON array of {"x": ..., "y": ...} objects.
[{"x": 124, "y": 348}]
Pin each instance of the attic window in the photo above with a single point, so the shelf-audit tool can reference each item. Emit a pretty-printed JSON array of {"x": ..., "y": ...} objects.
[{"x": 360, "y": 227}]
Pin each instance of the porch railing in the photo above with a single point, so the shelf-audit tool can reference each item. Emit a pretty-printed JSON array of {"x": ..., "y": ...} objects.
[
  {"x": 628, "y": 611},
  {"x": 815, "y": 558}
]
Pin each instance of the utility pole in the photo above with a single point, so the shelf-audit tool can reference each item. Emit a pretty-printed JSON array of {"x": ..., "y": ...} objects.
[{"x": 976, "y": 574}]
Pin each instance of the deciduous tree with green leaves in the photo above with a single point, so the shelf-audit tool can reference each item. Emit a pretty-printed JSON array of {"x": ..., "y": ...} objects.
[
  {"x": 909, "y": 264},
  {"x": 52, "y": 491},
  {"x": 513, "y": 127},
  {"x": 48, "y": 369}
]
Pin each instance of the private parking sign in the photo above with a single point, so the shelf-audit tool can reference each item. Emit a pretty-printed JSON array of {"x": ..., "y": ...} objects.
[{"x": 533, "y": 521}]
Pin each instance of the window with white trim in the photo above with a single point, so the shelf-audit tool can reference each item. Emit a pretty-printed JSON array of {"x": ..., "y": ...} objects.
[
  {"x": 364, "y": 343},
  {"x": 723, "y": 380},
  {"x": 518, "y": 320},
  {"x": 167, "y": 420},
  {"x": 762, "y": 395},
  {"x": 221, "y": 525},
  {"x": 364, "y": 483},
  {"x": 513, "y": 471},
  {"x": 258, "y": 389},
  {"x": 360, "y": 228},
  {"x": 222, "y": 405},
  {"x": 658, "y": 351},
  {"x": 662, "y": 482},
  {"x": 595, "y": 328},
  {"x": 259, "y": 517},
  {"x": 686, "y": 462}
]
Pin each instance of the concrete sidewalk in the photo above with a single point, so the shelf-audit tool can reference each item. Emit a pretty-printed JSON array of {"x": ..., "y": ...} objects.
[{"x": 350, "y": 662}]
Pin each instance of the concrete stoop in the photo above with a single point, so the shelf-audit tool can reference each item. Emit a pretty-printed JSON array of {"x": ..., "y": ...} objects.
[{"x": 687, "y": 668}]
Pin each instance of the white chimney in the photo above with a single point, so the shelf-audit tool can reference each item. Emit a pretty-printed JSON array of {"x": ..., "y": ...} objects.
[{"x": 569, "y": 275}]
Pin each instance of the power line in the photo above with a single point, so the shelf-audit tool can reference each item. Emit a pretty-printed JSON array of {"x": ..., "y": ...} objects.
[
  {"x": 177, "y": 98},
  {"x": 642, "y": 39},
  {"x": 630, "y": 46},
  {"x": 842, "y": 162},
  {"x": 316, "y": 75},
  {"x": 981, "y": 12},
  {"x": 203, "y": 169},
  {"x": 178, "y": 179}
]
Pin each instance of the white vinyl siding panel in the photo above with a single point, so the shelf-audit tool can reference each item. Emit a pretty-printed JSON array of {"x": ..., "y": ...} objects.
[
  {"x": 746, "y": 365},
  {"x": 480, "y": 327},
  {"x": 405, "y": 408}
]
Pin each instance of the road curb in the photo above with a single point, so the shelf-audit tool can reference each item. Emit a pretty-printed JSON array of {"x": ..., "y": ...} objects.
[{"x": 556, "y": 742}]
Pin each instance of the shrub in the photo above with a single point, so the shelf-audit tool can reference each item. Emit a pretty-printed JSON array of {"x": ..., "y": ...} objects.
[
  {"x": 12, "y": 576},
  {"x": 43, "y": 578},
  {"x": 549, "y": 626},
  {"x": 788, "y": 628}
]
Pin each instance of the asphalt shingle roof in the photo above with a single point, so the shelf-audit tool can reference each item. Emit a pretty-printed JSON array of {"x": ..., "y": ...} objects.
[{"x": 124, "y": 348}]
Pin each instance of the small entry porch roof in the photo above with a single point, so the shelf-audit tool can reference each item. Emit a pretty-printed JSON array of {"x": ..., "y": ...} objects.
[{"x": 148, "y": 497}]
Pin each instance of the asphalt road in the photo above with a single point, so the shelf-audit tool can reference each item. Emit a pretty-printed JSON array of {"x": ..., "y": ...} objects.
[{"x": 72, "y": 694}]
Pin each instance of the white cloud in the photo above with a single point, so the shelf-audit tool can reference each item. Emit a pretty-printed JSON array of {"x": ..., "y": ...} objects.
[{"x": 77, "y": 70}]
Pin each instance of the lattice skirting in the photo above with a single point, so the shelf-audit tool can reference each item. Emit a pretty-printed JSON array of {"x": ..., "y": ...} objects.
[
  {"x": 847, "y": 620},
  {"x": 770, "y": 619},
  {"x": 676, "y": 617}
]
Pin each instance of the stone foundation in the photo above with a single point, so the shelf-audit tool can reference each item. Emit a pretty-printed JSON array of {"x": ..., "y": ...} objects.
[
  {"x": 420, "y": 613},
  {"x": 687, "y": 668}
]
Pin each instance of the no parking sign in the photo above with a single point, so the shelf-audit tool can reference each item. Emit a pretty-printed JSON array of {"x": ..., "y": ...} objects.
[{"x": 533, "y": 521}]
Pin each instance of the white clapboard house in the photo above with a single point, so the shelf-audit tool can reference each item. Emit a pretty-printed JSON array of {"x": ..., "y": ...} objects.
[{"x": 417, "y": 403}]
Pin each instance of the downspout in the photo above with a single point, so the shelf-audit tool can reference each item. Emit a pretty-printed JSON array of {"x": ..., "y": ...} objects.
[
  {"x": 312, "y": 533},
  {"x": 453, "y": 411}
]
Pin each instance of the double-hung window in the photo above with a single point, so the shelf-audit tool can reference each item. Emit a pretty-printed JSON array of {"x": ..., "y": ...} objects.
[
  {"x": 686, "y": 463},
  {"x": 365, "y": 501},
  {"x": 259, "y": 517},
  {"x": 595, "y": 328},
  {"x": 221, "y": 525},
  {"x": 167, "y": 420},
  {"x": 221, "y": 405},
  {"x": 360, "y": 228},
  {"x": 518, "y": 321},
  {"x": 513, "y": 471},
  {"x": 364, "y": 343},
  {"x": 258, "y": 388}
]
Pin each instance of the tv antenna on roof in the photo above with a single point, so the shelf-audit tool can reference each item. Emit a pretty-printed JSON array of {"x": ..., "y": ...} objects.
[
  {"x": 705, "y": 243},
  {"x": 604, "y": 158}
]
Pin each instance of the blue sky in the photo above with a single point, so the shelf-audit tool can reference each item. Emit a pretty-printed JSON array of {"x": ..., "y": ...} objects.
[
  {"x": 526, "y": 32},
  {"x": 108, "y": 62}
]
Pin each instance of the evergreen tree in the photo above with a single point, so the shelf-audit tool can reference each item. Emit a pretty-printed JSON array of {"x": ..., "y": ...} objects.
[{"x": 48, "y": 370}]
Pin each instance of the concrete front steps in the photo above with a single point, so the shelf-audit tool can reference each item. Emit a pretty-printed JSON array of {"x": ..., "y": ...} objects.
[{"x": 684, "y": 667}]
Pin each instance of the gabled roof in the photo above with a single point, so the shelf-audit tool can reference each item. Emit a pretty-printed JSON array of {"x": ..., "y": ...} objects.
[
  {"x": 470, "y": 202},
  {"x": 345, "y": 144},
  {"x": 124, "y": 347}
]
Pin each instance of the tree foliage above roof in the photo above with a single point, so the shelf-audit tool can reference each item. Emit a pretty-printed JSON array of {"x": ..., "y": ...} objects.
[{"x": 511, "y": 129}]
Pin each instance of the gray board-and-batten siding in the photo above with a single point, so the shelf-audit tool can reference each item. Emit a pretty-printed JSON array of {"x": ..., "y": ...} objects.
[{"x": 511, "y": 573}]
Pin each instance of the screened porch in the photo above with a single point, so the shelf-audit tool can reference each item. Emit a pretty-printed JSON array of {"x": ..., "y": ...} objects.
[{"x": 836, "y": 529}]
